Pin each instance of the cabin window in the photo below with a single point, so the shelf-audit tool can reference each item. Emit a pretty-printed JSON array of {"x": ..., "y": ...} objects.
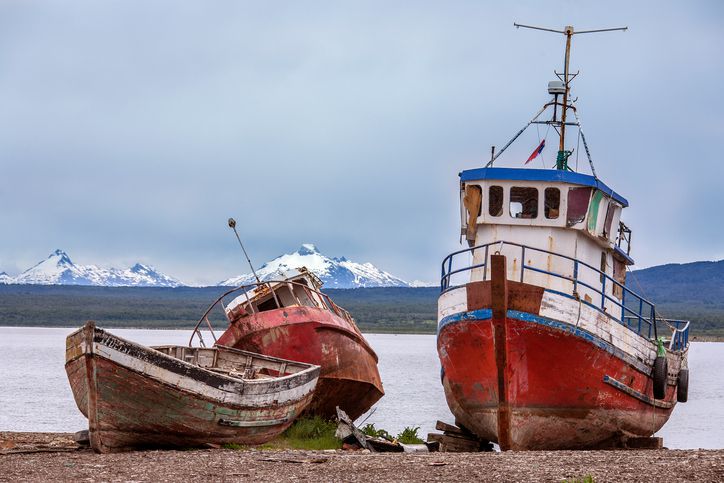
[
  {"x": 552, "y": 203},
  {"x": 523, "y": 202},
  {"x": 604, "y": 264},
  {"x": 609, "y": 219},
  {"x": 269, "y": 304},
  {"x": 302, "y": 294},
  {"x": 495, "y": 200},
  {"x": 577, "y": 205}
]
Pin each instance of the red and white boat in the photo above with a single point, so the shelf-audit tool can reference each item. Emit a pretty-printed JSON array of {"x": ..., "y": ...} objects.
[
  {"x": 292, "y": 319},
  {"x": 542, "y": 343}
]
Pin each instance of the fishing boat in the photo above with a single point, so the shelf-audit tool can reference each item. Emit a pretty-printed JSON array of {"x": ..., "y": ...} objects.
[
  {"x": 543, "y": 343},
  {"x": 291, "y": 318},
  {"x": 175, "y": 396}
]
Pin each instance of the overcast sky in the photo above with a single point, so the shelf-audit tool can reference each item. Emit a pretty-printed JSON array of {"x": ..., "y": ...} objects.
[{"x": 130, "y": 131}]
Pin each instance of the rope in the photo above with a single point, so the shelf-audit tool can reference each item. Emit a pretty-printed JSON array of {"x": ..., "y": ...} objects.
[
  {"x": 585, "y": 144},
  {"x": 658, "y": 314},
  {"x": 490, "y": 163},
  {"x": 545, "y": 136},
  {"x": 578, "y": 146}
]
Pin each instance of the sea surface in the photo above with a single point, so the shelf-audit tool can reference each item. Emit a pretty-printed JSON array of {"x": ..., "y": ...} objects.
[{"x": 35, "y": 396}]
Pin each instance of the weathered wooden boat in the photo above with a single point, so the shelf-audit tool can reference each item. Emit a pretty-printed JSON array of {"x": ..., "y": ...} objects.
[
  {"x": 293, "y": 319},
  {"x": 543, "y": 344},
  {"x": 174, "y": 396}
]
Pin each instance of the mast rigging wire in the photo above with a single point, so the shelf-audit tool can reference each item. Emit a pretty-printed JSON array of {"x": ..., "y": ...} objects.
[{"x": 490, "y": 163}]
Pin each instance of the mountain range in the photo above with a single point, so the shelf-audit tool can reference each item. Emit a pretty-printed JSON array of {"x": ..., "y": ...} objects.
[
  {"x": 334, "y": 272},
  {"x": 59, "y": 269}
]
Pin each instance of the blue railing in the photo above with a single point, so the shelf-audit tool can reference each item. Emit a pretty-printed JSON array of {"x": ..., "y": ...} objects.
[
  {"x": 636, "y": 313},
  {"x": 680, "y": 333}
]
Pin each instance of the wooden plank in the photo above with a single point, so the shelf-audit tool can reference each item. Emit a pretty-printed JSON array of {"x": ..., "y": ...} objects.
[
  {"x": 458, "y": 445},
  {"x": 644, "y": 443},
  {"x": 449, "y": 428},
  {"x": 435, "y": 437}
]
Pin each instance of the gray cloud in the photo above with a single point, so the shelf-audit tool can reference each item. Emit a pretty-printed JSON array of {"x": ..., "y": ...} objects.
[{"x": 132, "y": 130}]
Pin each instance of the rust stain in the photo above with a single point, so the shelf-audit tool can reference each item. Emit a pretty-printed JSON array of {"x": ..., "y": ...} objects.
[
  {"x": 499, "y": 299},
  {"x": 478, "y": 294}
]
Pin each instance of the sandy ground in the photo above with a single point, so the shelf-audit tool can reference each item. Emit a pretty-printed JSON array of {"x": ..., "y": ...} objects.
[{"x": 52, "y": 456}]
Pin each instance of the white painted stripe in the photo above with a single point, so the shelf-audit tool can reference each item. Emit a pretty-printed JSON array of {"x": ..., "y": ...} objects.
[
  {"x": 233, "y": 393},
  {"x": 575, "y": 312},
  {"x": 452, "y": 302}
]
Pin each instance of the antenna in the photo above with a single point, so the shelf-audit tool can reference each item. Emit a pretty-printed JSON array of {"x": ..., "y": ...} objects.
[
  {"x": 232, "y": 225},
  {"x": 562, "y": 159}
]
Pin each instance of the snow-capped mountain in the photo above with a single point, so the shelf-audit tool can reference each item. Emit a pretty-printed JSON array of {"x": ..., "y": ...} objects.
[
  {"x": 334, "y": 272},
  {"x": 5, "y": 278},
  {"x": 58, "y": 269},
  {"x": 422, "y": 283}
]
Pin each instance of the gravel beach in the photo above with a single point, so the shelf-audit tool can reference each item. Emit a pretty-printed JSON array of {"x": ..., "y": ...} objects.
[{"x": 52, "y": 456}]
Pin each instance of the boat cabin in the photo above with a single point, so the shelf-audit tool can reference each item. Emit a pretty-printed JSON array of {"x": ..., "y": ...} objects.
[
  {"x": 292, "y": 288},
  {"x": 549, "y": 221}
]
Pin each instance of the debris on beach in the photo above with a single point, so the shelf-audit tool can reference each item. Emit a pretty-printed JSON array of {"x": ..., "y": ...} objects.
[
  {"x": 457, "y": 440},
  {"x": 354, "y": 439}
]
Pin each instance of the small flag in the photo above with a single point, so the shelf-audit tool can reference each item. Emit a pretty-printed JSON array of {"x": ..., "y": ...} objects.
[{"x": 537, "y": 151}]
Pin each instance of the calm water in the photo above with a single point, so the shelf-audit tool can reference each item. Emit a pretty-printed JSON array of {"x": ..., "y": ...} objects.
[{"x": 35, "y": 396}]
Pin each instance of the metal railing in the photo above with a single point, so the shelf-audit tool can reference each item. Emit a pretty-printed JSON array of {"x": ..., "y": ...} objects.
[
  {"x": 326, "y": 304},
  {"x": 679, "y": 333},
  {"x": 636, "y": 313}
]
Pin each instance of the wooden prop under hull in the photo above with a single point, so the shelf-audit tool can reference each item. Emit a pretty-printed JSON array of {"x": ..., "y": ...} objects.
[
  {"x": 135, "y": 396},
  {"x": 349, "y": 377},
  {"x": 529, "y": 382}
]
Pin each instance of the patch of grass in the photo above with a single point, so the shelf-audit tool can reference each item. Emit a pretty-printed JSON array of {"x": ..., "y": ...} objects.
[
  {"x": 409, "y": 435},
  {"x": 585, "y": 479},
  {"x": 312, "y": 433},
  {"x": 306, "y": 433},
  {"x": 370, "y": 430},
  {"x": 235, "y": 446}
]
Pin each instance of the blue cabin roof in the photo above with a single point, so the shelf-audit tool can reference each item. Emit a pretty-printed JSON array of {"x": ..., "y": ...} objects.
[{"x": 525, "y": 174}]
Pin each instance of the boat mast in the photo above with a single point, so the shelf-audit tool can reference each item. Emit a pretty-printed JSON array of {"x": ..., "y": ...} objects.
[
  {"x": 232, "y": 225},
  {"x": 562, "y": 158}
]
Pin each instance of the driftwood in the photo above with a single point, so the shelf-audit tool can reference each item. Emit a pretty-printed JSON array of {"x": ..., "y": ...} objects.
[
  {"x": 289, "y": 460},
  {"x": 38, "y": 450},
  {"x": 457, "y": 440},
  {"x": 348, "y": 432}
]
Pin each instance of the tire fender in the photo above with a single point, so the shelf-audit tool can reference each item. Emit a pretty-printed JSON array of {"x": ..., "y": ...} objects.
[
  {"x": 682, "y": 385},
  {"x": 661, "y": 369}
]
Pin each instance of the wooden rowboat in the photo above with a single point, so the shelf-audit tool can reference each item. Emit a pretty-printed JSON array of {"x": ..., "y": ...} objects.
[{"x": 175, "y": 396}]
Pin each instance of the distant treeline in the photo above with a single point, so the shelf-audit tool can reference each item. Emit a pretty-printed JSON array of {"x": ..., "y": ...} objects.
[
  {"x": 691, "y": 291},
  {"x": 374, "y": 309}
]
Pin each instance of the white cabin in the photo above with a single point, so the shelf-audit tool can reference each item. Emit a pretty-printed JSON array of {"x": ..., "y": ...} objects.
[
  {"x": 290, "y": 288},
  {"x": 546, "y": 220}
]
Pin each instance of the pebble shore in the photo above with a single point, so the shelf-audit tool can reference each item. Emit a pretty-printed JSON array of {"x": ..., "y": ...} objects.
[{"x": 54, "y": 457}]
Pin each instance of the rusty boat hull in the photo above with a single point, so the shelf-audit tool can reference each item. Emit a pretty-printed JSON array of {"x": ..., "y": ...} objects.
[
  {"x": 349, "y": 377},
  {"x": 518, "y": 372},
  {"x": 139, "y": 397}
]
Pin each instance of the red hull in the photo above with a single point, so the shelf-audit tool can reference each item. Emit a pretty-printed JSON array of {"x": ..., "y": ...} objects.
[
  {"x": 528, "y": 382},
  {"x": 556, "y": 393},
  {"x": 349, "y": 377}
]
